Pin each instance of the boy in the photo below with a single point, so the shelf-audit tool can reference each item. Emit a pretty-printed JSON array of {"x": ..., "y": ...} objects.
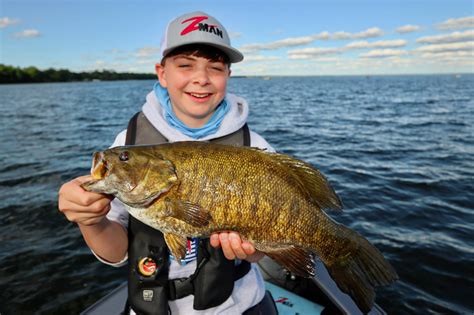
[{"x": 189, "y": 103}]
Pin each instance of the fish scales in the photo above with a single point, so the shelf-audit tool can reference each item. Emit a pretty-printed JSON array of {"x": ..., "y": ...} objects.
[
  {"x": 227, "y": 206},
  {"x": 191, "y": 189}
]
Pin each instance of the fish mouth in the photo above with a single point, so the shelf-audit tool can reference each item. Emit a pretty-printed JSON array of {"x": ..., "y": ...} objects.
[
  {"x": 99, "y": 168},
  {"x": 99, "y": 171}
]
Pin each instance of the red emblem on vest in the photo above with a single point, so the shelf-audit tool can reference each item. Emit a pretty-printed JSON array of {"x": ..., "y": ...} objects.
[{"x": 147, "y": 266}]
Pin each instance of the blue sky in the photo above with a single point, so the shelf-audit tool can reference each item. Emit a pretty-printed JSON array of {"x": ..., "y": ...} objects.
[{"x": 277, "y": 37}]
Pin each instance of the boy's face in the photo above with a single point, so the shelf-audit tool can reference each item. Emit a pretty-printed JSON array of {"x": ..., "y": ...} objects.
[{"x": 196, "y": 86}]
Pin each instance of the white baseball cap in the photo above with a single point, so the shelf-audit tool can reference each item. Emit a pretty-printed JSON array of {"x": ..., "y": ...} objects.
[{"x": 198, "y": 28}]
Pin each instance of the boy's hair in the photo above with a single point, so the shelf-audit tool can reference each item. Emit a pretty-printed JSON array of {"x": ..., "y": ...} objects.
[{"x": 199, "y": 50}]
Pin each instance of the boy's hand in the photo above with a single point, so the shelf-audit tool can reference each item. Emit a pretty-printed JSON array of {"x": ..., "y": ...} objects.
[
  {"x": 233, "y": 246},
  {"x": 80, "y": 206}
]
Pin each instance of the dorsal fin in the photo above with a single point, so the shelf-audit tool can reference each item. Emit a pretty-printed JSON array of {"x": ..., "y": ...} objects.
[{"x": 310, "y": 181}]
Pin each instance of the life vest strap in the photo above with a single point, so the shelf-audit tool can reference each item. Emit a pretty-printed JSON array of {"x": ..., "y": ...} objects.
[{"x": 179, "y": 288}]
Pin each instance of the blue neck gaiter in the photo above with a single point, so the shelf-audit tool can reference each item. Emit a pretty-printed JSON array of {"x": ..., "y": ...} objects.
[{"x": 209, "y": 128}]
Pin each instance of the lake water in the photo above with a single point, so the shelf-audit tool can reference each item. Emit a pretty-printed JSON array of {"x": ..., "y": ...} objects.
[{"x": 399, "y": 151}]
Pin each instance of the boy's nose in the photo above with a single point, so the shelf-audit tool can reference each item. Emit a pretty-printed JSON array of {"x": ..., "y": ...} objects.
[{"x": 201, "y": 77}]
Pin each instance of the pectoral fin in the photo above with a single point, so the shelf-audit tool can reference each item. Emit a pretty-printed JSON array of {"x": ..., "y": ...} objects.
[
  {"x": 188, "y": 212},
  {"x": 297, "y": 260},
  {"x": 177, "y": 245}
]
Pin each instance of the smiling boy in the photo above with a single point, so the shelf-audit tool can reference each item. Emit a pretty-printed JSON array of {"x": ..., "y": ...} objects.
[
  {"x": 196, "y": 85},
  {"x": 190, "y": 102}
]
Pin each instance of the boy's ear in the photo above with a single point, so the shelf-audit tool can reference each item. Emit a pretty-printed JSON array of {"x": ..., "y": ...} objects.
[{"x": 160, "y": 72}]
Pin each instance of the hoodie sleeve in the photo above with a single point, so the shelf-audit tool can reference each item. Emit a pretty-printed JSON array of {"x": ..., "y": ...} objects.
[
  {"x": 120, "y": 139},
  {"x": 258, "y": 141}
]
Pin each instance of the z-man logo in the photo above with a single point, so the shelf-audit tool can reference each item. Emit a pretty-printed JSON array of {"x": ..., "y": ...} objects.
[
  {"x": 284, "y": 301},
  {"x": 196, "y": 25}
]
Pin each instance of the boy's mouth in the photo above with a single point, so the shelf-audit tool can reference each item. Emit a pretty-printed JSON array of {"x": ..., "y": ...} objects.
[{"x": 200, "y": 95}]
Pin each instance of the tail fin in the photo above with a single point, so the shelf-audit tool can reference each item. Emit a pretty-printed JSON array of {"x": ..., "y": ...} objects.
[{"x": 359, "y": 271}]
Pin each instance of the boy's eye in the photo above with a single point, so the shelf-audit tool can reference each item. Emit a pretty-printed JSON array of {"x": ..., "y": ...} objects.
[
  {"x": 217, "y": 68},
  {"x": 184, "y": 66}
]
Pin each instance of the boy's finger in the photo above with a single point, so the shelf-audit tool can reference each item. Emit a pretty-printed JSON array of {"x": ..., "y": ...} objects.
[
  {"x": 96, "y": 207},
  {"x": 236, "y": 245},
  {"x": 73, "y": 192},
  {"x": 92, "y": 195},
  {"x": 225, "y": 244},
  {"x": 248, "y": 248},
  {"x": 214, "y": 240},
  {"x": 83, "y": 179}
]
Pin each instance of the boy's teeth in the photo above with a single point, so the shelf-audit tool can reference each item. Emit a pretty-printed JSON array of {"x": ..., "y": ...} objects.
[{"x": 199, "y": 95}]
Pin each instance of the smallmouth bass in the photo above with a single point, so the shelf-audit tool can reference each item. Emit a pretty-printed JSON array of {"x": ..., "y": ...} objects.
[{"x": 192, "y": 189}]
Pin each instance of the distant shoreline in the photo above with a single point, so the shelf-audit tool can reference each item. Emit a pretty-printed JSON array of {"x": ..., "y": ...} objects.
[
  {"x": 17, "y": 75},
  {"x": 13, "y": 75}
]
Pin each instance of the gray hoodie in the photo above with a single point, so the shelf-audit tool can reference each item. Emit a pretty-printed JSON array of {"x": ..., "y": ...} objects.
[{"x": 250, "y": 289}]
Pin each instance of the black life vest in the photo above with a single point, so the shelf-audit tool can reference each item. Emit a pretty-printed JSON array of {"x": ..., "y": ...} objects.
[{"x": 149, "y": 289}]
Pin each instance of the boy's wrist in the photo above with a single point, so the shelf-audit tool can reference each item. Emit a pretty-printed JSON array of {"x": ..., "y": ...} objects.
[{"x": 99, "y": 225}]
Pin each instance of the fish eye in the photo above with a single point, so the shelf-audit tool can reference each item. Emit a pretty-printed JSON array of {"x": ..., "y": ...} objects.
[{"x": 123, "y": 156}]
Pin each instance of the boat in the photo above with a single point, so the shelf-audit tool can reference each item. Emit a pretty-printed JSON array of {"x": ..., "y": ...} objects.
[{"x": 292, "y": 295}]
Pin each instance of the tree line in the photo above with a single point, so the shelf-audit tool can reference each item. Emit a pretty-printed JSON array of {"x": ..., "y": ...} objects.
[{"x": 10, "y": 74}]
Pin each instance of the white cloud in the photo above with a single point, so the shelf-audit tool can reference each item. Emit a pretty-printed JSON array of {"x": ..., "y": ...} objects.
[
  {"x": 315, "y": 52},
  {"x": 308, "y": 53},
  {"x": 371, "y": 32},
  {"x": 119, "y": 54},
  {"x": 377, "y": 44},
  {"x": 447, "y": 38},
  {"x": 253, "y": 58},
  {"x": 287, "y": 42},
  {"x": 6, "y": 21},
  {"x": 459, "y": 59},
  {"x": 383, "y": 53},
  {"x": 368, "y": 33},
  {"x": 341, "y": 36},
  {"x": 116, "y": 51},
  {"x": 122, "y": 57},
  {"x": 326, "y": 59},
  {"x": 450, "y": 55},
  {"x": 394, "y": 64},
  {"x": 27, "y": 34},
  {"x": 407, "y": 29},
  {"x": 457, "y": 24},
  {"x": 301, "y": 56},
  {"x": 304, "y": 40},
  {"x": 146, "y": 62},
  {"x": 146, "y": 52},
  {"x": 322, "y": 36},
  {"x": 234, "y": 35},
  {"x": 441, "y": 48}
]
